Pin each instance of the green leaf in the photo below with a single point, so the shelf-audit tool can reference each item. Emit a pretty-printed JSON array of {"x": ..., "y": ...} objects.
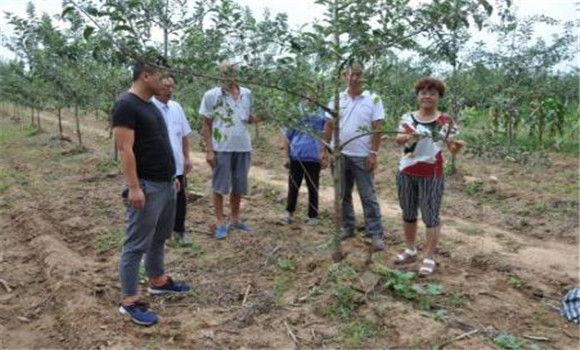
[
  {"x": 487, "y": 6},
  {"x": 122, "y": 27},
  {"x": 93, "y": 11},
  {"x": 217, "y": 135},
  {"x": 87, "y": 32},
  {"x": 67, "y": 10}
]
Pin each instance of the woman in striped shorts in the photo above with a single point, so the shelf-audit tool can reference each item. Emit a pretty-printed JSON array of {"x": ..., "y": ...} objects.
[{"x": 420, "y": 181}]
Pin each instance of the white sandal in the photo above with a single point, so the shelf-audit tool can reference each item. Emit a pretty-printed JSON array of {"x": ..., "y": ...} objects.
[
  {"x": 285, "y": 220},
  {"x": 407, "y": 256},
  {"x": 427, "y": 268}
]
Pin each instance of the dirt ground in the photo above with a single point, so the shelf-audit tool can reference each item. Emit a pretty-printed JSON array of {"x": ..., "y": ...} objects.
[{"x": 508, "y": 254}]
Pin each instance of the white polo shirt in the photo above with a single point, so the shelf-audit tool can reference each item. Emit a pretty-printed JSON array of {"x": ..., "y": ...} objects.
[
  {"x": 230, "y": 117},
  {"x": 177, "y": 127},
  {"x": 356, "y": 117}
]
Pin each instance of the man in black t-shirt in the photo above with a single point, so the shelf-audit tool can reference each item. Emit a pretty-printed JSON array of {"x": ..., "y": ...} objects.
[{"x": 148, "y": 166}]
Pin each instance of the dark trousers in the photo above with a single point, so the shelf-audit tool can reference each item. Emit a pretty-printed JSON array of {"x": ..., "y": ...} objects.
[
  {"x": 180, "y": 205},
  {"x": 298, "y": 171}
]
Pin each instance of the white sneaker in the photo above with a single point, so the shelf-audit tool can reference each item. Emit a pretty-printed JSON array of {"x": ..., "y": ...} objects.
[
  {"x": 181, "y": 238},
  {"x": 286, "y": 220},
  {"x": 312, "y": 221}
]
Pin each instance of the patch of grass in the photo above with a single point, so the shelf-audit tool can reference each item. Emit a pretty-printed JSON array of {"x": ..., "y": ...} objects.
[
  {"x": 341, "y": 275},
  {"x": 193, "y": 247},
  {"x": 473, "y": 187},
  {"x": 357, "y": 332},
  {"x": 457, "y": 300},
  {"x": 286, "y": 264},
  {"x": 515, "y": 283},
  {"x": 282, "y": 284},
  {"x": 4, "y": 186},
  {"x": 108, "y": 164},
  {"x": 508, "y": 341},
  {"x": 341, "y": 272},
  {"x": 11, "y": 132},
  {"x": 111, "y": 240},
  {"x": 343, "y": 303}
]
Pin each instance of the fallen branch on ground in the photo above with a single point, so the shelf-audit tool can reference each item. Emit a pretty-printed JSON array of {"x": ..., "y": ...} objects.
[
  {"x": 460, "y": 337},
  {"x": 291, "y": 334},
  {"x": 5, "y": 285},
  {"x": 532, "y": 337}
]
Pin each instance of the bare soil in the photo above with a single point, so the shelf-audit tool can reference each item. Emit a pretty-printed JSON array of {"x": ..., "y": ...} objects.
[{"x": 62, "y": 223}]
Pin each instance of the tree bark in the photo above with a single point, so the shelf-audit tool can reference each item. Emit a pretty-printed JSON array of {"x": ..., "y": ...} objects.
[
  {"x": 38, "y": 120},
  {"x": 59, "y": 115},
  {"x": 337, "y": 173},
  {"x": 78, "y": 125}
]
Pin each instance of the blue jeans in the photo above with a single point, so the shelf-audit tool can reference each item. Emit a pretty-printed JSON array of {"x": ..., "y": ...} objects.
[
  {"x": 354, "y": 169},
  {"x": 147, "y": 230}
]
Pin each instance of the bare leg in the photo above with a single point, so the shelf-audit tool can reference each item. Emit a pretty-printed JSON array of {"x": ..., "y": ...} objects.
[
  {"x": 433, "y": 234},
  {"x": 218, "y": 203},
  {"x": 128, "y": 300},
  {"x": 235, "y": 200},
  {"x": 410, "y": 229}
]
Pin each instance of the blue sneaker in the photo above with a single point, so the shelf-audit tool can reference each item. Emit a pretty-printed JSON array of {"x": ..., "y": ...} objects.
[
  {"x": 139, "y": 313},
  {"x": 170, "y": 286},
  {"x": 221, "y": 232},
  {"x": 242, "y": 227}
]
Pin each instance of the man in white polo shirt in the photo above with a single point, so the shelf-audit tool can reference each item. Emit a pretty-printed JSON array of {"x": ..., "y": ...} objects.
[
  {"x": 360, "y": 112},
  {"x": 178, "y": 129},
  {"x": 227, "y": 111}
]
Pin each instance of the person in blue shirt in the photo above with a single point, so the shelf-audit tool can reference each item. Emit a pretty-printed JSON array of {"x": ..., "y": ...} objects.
[{"x": 302, "y": 159}]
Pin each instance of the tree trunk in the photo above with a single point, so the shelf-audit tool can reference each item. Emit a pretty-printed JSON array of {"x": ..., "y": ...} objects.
[
  {"x": 78, "y": 124},
  {"x": 337, "y": 173},
  {"x": 38, "y": 120},
  {"x": 31, "y": 116},
  {"x": 541, "y": 127},
  {"x": 59, "y": 115},
  {"x": 511, "y": 124}
]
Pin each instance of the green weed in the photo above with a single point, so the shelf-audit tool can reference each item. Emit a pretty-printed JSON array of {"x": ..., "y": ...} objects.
[
  {"x": 402, "y": 285},
  {"x": 457, "y": 300},
  {"x": 282, "y": 284},
  {"x": 111, "y": 240},
  {"x": 357, "y": 332},
  {"x": 507, "y": 341},
  {"x": 286, "y": 264},
  {"x": 473, "y": 187},
  {"x": 108, "y": 164},
  {"x": 515, "y": 283}
]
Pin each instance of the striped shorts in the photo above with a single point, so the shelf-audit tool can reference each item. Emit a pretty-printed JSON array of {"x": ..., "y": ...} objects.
[{"x": 420, "y": 192}]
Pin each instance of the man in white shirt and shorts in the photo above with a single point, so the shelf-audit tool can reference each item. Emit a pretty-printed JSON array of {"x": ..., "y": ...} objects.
[{"x": 227, "y": 111}]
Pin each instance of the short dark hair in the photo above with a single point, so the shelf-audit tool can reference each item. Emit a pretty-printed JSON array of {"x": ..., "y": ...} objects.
[
  {"x": 353, "y": 61},
  {"x": 430, "y": 83},
  {"x": 169, "y": 75},
  {"x": 149, "y": 64}
]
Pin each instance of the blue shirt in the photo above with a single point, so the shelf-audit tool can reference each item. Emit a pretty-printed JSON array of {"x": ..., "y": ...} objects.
[{"x": 303, "y": 145}]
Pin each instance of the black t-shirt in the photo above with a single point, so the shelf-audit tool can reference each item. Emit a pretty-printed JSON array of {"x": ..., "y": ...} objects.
[{"x": 152, "y": 148}]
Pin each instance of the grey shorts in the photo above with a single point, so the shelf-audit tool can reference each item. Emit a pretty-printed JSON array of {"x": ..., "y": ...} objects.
[{"x": 231, "y": 172}]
